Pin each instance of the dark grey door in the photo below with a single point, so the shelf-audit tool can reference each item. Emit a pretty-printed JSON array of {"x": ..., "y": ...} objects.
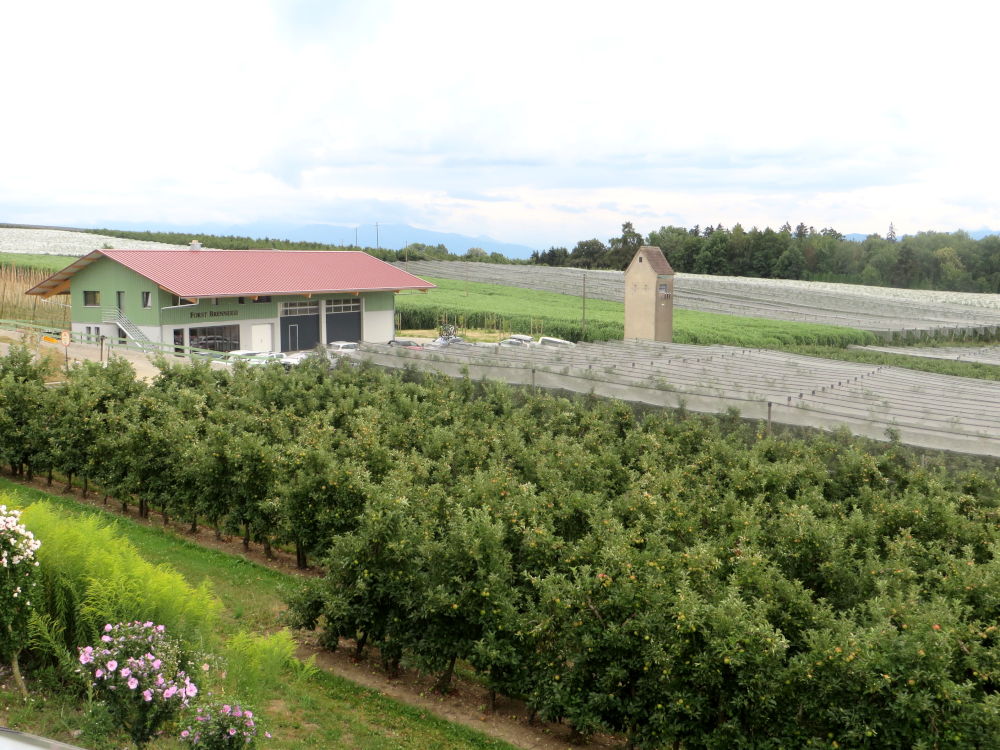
[{"x": 343, "y": 326}]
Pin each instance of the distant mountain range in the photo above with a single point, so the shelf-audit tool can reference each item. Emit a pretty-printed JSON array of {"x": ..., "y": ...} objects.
[
  {"x": 388, "y": 236},
  {"x": 976, "y": 234}
]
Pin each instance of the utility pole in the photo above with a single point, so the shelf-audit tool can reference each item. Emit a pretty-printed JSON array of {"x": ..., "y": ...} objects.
[
  {"x": 377, "y": 246},
  {"x": 355, "y": 236},
  {"x": 584, "y": 322}
]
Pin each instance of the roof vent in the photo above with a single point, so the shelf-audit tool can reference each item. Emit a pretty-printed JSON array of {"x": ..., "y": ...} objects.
[{"x": 195, "y": 245}]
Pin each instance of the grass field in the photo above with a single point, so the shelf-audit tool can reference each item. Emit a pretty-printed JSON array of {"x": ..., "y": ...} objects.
[
  {"x": 319, "y": 710},
  {"x": 517, "y": 310},
  {"x": 47, "y": 263}
]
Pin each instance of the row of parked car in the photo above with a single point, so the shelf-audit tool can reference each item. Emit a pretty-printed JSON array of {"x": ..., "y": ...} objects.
[
  {"x": 335, "y": 349},
  {"x": 523, "y": 340},
  {"x": 254, "y": 357},
  {"x": 515, "y": 340}
]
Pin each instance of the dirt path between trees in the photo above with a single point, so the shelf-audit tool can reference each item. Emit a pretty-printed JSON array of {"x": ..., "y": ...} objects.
[{"x": 467, "y": 704}]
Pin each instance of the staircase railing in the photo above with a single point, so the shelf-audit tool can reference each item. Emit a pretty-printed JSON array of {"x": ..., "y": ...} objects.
[{"x": 114, "y": 315}]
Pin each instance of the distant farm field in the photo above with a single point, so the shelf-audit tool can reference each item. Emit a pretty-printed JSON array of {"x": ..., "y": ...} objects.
[
  {"x": 48, "y": 263},
  {"x": 518, "y": 310},
  {"x": 889, "y": 312}
]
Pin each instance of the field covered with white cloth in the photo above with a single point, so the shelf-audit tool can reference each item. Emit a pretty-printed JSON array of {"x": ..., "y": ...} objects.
[{"x": 64, "y": 242}]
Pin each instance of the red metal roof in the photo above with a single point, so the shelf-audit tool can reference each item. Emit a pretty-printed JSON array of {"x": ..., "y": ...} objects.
[{"x": 245, "y": 273}]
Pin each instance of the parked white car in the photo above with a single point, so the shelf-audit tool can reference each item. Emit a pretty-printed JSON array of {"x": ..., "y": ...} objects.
[
  {"x": 551, "y": 341},
  {"x": 518, "y": 339},
  {"x": 342, "y": 347},
  {"x": 295, "y": 358},
  {"x": 264, "y": 358}
]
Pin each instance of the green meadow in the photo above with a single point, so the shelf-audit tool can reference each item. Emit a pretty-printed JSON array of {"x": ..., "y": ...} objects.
[{"x": 515, "y": 310}]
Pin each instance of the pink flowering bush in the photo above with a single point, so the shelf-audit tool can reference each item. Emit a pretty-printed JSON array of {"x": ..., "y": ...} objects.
[
  {"x": 136, "y": 672},
  {"x": 220, "y": 727},
  {"x": 18, "y": 579}
]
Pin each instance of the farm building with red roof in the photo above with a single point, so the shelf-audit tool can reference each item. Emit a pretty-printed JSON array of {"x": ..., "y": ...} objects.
[{"x": 224, "y": 300}]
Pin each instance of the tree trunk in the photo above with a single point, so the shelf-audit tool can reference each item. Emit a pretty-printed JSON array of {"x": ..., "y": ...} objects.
[
  {"x": 193, "y": 529},
  {"x": 246, "y": 537},
  {"x": 29, "y": 472},
  {"x": 105, "y": 500},
  {"x": 300, "y": 555},
  {"x": 15, "y": 668},
  {"x": 359, "y": 645},
  {"x": 443, "y": 684},
  {"x": 493, "y": 700},
  {"x": 166, "y": 518},
  {"x": 48, "y": 482},
  {"x": 267, "y": 548},
  {"x": 86, "y": 485},
  {"x": 69, "y": 484}
]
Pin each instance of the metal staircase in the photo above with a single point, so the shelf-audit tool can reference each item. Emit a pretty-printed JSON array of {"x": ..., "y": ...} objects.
[{"x": 116, "y": 316}]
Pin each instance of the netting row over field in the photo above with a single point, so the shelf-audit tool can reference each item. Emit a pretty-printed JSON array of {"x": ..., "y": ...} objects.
[
  {"x": 987, "y": 355},
  {"x": 923, "y": 409},
  {"x": 876, "y": 309}
]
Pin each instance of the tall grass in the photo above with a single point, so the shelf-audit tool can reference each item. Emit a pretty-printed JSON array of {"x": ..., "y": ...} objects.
[
  {"x": 92, "y": 576},
  {"x": 16, "y": 305}
]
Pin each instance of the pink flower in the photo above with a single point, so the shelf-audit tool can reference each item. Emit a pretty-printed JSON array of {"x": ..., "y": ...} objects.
[
  {"x": 191, "y": 690},
  {"x": 204, "y": 667},
  {"x": 106, "y": 638},
  {"x": 112, "y": 665},
  {"x": 185, "y": 733},
  {"x": 226, "y": 708},
  {"x": 132, "y": 683},
  {"x": 125, "y": 672},
  {"x": 248, "y": 714},
  {"x": 107, "y": 628},
  {"x": 147, "y": 695},
  {"x": 99, "y": 673},
  {"x": 232, "y": 732},
  {"x": 169, "y": 692}
]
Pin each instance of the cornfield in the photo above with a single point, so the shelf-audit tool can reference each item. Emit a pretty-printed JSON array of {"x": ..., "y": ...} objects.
[{"x": 16, "y": 305}]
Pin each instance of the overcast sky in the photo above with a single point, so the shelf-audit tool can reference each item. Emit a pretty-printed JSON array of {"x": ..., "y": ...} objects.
[{"x": 541, "y": 123}]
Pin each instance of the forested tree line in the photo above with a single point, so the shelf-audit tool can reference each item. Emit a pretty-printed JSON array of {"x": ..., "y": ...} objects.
[
  {"x": 927, "y": 260},
  {"x": 688, "y": 581}
]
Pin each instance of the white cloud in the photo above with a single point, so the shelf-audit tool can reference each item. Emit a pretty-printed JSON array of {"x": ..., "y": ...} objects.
[{"x": 850, "y": 115}]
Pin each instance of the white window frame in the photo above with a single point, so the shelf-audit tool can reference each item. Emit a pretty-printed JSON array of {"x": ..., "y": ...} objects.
[{"x": 343, "y": 305}]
